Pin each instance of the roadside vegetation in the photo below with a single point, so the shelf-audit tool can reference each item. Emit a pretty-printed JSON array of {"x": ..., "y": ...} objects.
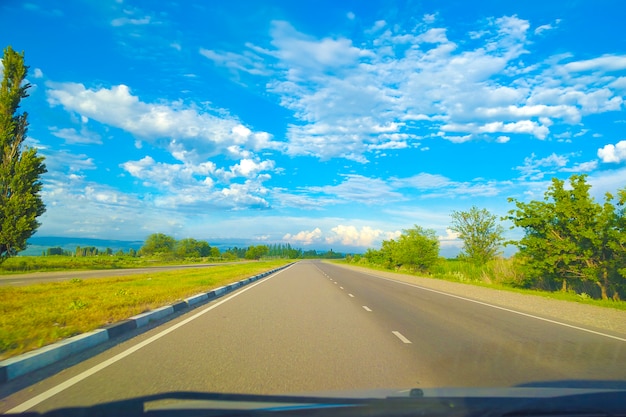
[
  {"x": 573, "y": 247},
  {"x": 37, "y": 315},
  {"x": 158, "y": 249}
]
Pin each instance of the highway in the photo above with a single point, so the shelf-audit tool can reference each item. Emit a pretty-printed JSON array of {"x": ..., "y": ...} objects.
[{"x": 317, "y": 327}]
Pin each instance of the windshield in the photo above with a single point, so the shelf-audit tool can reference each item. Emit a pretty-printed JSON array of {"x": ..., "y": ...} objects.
[{"x": 310, "y": 197}]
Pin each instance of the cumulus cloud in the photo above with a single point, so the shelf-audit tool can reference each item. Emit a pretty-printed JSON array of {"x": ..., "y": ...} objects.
[
  {"x": 613, "y": 153},
  {"x": 190, "y": 134},
  {"x": 196, "y": 185},
  {"x": 364, "y": 237},
  {"x": 305, "y": 237},
  {"x": 451, "y": 239},
  {"x": 351, "y": 99}
]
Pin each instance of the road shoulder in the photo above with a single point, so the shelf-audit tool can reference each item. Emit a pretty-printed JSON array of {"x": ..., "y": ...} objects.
[{"x": 598, "y": 318}]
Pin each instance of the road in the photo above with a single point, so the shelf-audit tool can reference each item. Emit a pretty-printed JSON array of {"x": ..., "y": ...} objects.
[
  {"x": 41, "y": 277},
  {"x": 317, "y": 327}
]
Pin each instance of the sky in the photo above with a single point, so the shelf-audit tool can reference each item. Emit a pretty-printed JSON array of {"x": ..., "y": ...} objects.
[{"x": 323, "y": 124}]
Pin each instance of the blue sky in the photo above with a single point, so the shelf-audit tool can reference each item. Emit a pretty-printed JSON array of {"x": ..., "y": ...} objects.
[{"x": 325, "y": 124}]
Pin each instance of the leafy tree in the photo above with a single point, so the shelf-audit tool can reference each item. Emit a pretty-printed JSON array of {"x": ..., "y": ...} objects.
[
  {"x": 416, "y": 249},
  {"x": 234, "y": 253},
  {"x": 571, "y": 239},
  {"x": 192, "y": 248},
  {"x": 86, "y": 251},
  {"x": 158, "y": 244},
  {"x": 20, "y": 168},
  {"x": 256, "y": 252},
  {"x": 215, "y": 252},
  {"x": 55, "y": 251},
  {"x": 480, "y": 232}
]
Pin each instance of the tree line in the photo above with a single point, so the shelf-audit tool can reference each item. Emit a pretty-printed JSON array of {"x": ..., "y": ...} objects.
[{"x": 570, "y": 241}]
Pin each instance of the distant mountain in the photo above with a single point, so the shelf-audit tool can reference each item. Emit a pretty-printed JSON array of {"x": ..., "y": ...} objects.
[{"x": 38, "y": 244}]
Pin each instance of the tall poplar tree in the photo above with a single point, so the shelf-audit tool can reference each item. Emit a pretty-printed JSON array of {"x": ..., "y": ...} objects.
[{"x": 20, "y": 167}]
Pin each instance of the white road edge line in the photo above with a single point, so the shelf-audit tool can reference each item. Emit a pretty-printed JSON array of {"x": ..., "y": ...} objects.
[
  {"x": 401, "y": 337},
  {"x": 85, "y": 374},
  {"x": 366, "y": 308},
  {"x": 503, "y": 308}
]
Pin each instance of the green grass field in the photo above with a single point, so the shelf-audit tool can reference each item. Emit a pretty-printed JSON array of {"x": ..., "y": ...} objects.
[{"x": 37, "y": 315}]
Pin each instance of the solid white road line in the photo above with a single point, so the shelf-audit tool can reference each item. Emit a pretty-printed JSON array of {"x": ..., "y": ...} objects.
[
  {"x": 85, "y": 374},
  {"x": 366, "y": 308},
  {"x": 401, "y": 337},
  {"x": 502, "y": 308}
]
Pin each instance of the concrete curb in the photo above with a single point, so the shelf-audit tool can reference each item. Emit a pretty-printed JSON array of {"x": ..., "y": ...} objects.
[{"x": 47, "y": 355}]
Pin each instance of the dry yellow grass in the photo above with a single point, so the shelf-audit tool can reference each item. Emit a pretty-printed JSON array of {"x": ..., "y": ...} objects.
[{"x": 37, "y": 315}]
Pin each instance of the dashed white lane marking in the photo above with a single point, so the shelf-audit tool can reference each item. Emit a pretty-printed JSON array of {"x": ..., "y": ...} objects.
[
  {"x": 341, "y": 288},
  {"x": 335, "y": 282},
  {"x": 366, "y": 308},
  {"x": 351, "y": 295},
  {"x": 401, "y": 337}
]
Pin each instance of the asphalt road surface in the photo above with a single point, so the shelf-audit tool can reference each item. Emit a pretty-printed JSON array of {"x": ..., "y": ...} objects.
[
  {"x": 316, "y": 327},
  {"x": 41, "y": 277}
]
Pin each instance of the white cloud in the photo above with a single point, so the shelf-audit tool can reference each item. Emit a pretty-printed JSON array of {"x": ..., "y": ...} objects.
[
  {"x": 582, "y": 167},
  {"x": 190, "y": 134},
  {"x": 361, "y": 189},
  {"x": 349, "y": 99},
  {"x": 248, "y": 62},
  {"x": 503, "y": 139},
  {"x": 122, "y": 21},
  {"x": 451, "y": 239},
  {"x": 613, "y": 153},
  {"x": 543, "y": 28},
  {"x": 438, "y": 186},
  {"x": 305, "y": 237},
  {"x": 186, "y": 185},
  {"x": 535, "y": 169},
  {"x": 603, "y": 63},
  {"x": 247, "y": 168},
  {"x": 364, "y": 237},
  {"x": 72, "y": 136}
]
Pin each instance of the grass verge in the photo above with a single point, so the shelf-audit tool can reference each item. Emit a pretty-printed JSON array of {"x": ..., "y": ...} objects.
[
  {"x": 492, "y": 277},
  {"x": 26, "y": 264},
  {"x": 37, "y": 315}
]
